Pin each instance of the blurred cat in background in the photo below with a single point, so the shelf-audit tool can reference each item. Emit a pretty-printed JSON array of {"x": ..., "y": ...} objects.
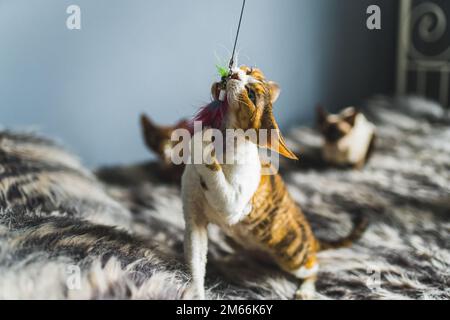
[
  {"x": 158, "y": 137},
  {"x": 349, "y": 138},
  {"x": 158, "y": 140}
]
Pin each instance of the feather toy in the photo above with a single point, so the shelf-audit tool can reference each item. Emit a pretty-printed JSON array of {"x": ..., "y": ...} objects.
[{"x": 213, "y": 114}]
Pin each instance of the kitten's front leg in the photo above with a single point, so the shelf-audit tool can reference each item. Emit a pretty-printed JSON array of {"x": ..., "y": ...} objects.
[
  {"x": 222, "y": 195},
  {"x": 196, "y": 247},
  {"x": 230, "y": 199},
  {"x": 196, "y": 233},
  {"x": 307, "y": 290}
]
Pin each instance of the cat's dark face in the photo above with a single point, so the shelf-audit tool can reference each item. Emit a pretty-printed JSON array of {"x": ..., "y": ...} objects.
[{"x": 334, "y": 127}]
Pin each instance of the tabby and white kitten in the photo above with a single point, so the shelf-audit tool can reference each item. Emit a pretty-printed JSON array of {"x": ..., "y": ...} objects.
[
  {"x": 255, "y": 210},
  {"x": 349, "y": 137}
]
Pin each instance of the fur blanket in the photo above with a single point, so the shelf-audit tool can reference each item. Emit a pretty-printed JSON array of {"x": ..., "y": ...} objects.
[{"x": 68, "y": 233}]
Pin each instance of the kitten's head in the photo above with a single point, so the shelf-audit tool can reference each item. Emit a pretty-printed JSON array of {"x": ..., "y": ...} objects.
[
  {"x": 249, "y": 98},
  {"x": 336, "y": 126},
  {"x": 158, "y": 138}
]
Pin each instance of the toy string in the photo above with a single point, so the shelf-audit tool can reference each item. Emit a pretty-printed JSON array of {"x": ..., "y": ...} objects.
[{"x": 230, "y": 66}]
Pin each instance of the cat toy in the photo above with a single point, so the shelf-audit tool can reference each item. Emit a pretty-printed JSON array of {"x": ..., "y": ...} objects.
[
  {"x": 224, "y": 73},
  {"x": 212, "y": 114}
]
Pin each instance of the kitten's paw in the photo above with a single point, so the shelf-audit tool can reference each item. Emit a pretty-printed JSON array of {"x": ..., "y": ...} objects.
[
  {"x": 202, "y": 150},
  {"x": 304, "y": 295},
  {"x": 200, "y": 296},
  {"x": 209, "y": 152},
  {"x": 208, "y": 135},
  {"x": 236, "y": 218},
  {"x": 197, "y": 293},
  {"x": 307, "y": 291}
]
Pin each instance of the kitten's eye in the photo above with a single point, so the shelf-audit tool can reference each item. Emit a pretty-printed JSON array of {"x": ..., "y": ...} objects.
[{"x": 251, "y": 95}]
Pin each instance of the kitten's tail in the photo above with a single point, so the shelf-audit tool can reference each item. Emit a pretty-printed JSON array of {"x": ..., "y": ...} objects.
[{"x": 360, "y": 224}]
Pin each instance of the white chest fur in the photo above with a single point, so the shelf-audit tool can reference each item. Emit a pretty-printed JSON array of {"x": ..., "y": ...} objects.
[{"x": 224, "y": 195}]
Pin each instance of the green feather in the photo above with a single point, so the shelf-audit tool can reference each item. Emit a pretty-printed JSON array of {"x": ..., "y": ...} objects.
[{"x": 223, "y": 72}]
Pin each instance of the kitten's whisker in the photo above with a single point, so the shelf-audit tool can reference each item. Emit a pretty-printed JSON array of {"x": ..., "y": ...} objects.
[
  {"x": 220, "y": 61},
  {"x": 228, "y": 51}
]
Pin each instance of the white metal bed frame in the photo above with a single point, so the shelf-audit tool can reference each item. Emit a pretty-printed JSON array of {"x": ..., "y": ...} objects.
[{"x": 431, "y": 23}]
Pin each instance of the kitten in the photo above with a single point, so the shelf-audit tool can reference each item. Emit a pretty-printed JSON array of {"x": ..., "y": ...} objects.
[
  {"x": 158, "y": 140},
  {"x": 255, "y": 210},
  {"x": 349, "y": 138}
]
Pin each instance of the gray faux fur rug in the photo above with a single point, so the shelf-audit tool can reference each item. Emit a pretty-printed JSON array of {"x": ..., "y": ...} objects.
[{"x": 64, "y": 233}]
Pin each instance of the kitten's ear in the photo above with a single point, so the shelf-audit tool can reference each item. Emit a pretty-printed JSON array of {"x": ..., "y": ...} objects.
[
  {"x": 148, "y": 130},
  {"x": 349, "y": 115},
  {"x": 146, "y": 123},
  {"x": 322, "y": 115},
  {"x": 275, "y": 91},
  {"x": 275, "y": 142}
]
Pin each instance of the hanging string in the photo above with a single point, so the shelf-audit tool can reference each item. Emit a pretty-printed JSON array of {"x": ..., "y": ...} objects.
[{"x": 230, "y": 66}]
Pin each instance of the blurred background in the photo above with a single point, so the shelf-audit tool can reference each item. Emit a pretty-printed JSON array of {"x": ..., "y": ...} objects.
[{"x": 88, "y": 87}]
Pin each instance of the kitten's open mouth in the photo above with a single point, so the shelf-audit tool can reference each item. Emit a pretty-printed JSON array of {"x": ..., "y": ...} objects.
[
  {"x": 220, "y": 93},
  {"x": 213, "y": 114},
  {"x": 222, "y": 89}
]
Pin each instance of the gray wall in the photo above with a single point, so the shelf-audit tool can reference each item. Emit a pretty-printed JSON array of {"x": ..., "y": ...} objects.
[{"x": 88, "y": 87}]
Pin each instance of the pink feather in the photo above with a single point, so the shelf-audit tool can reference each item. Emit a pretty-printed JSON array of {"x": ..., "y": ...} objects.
[{"x": 211, "y": 115}]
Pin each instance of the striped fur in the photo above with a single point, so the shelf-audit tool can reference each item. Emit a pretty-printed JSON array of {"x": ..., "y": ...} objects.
[{"x": 277, "y": 222}]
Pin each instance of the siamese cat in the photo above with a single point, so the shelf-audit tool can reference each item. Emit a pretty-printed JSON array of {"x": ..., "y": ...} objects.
[{"x": 349, "y": 138}]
